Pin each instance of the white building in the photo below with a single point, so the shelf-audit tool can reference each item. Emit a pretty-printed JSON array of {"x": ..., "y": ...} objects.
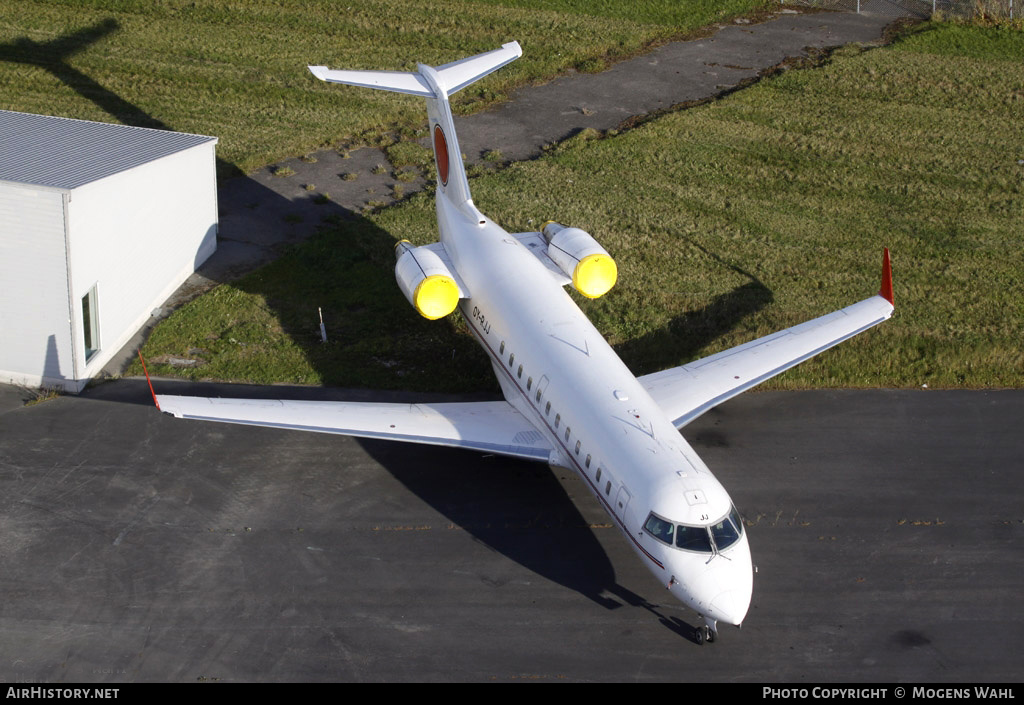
[{"x": 99, "y": 224}]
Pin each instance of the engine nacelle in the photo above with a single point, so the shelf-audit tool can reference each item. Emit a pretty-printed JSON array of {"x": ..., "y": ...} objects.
[
  {"x": 425, "y": 280},
  {"x": 591, "y": 268}
]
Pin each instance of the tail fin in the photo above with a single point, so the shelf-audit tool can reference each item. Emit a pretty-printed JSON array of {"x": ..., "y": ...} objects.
[{"x": 435, "y": 84}]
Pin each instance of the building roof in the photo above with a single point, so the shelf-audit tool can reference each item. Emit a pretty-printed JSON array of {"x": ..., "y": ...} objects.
[{"x": 61, "y": 153}]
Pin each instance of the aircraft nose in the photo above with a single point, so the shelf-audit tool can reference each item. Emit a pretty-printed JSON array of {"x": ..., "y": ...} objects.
[{"x": 731, "y": 606}]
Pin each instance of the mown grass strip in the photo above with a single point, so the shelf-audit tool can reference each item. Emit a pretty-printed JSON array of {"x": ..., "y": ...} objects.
[
  {"x": 237, "y": 69},
  {"x": 728, "y": 221}
]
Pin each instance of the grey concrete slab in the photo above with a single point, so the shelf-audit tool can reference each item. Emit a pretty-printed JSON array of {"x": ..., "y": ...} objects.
[
  {"x": 886, "y": 526},
  {"x": 678, "y": 72}
]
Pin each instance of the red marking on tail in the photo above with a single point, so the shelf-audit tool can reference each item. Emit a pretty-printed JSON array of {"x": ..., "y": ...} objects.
[
  {"x": 441, "y": 152},
  {"x": 148, "y": 380},
  {"x": 886, "y": 291}
]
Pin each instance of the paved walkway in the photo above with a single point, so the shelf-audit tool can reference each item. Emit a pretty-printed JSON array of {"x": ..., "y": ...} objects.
[{"x": 262, "y": 212}]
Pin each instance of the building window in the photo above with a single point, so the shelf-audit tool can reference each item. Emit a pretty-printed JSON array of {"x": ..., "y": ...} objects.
[{"x": 91, "y": 323}]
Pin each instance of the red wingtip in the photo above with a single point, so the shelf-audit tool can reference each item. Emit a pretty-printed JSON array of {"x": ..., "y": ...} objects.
[
  {"x": 886, "y": 291},
  {"x": 148, "y": 381}
]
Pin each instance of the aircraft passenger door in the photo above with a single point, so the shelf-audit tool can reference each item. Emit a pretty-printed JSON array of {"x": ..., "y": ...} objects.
[{"x": 621, "y": 502}]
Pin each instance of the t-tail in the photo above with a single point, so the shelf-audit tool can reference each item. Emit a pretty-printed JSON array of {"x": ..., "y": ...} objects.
[{"x": 436, "y": 84}]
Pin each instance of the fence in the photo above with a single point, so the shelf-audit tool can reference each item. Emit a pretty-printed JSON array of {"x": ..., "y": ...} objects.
[{"x": 997, "y": 9}]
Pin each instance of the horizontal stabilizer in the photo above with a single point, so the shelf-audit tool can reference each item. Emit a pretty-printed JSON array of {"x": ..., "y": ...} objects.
[
  {"x": 411, "y": 83},
  {"x": 453, "y": 77},
  {"x": 459, "y": 74}
]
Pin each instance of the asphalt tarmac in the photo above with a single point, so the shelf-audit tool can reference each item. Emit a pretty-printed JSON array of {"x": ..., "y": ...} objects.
[{"x": 886, "y": 527}]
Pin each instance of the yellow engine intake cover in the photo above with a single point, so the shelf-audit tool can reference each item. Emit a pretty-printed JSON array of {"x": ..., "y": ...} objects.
[
  {"x": 595, "y": 275},
  {"x": 436, "y": 296}
]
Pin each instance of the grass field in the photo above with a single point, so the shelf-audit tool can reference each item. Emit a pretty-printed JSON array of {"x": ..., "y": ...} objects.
[
  {"x": 237, "y": 68},
  {"x": 728, "y": 221}
]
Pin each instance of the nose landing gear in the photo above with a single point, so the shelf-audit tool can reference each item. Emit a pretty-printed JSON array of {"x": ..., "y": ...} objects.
[{"x": 707, "y": 633}]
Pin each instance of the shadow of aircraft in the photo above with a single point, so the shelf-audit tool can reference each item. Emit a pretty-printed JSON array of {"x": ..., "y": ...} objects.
[
  {"x": 53, "y": 56},
  {"x": 685, "y": 336},
  {"x": 519, "y": 509}
]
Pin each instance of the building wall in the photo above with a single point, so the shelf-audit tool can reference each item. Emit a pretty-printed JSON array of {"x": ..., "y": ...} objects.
[
  {"x": 136, "y": 236},
  {"x": 35, "y": 331}
]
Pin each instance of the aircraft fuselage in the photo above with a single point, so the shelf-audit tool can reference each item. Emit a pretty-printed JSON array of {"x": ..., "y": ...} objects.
[{"x": 556, "y": 369}]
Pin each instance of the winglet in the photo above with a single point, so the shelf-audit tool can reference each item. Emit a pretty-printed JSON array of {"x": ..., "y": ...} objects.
[
  {"x": 886, "y": 291},
  {"x": 150, "y": 383}
]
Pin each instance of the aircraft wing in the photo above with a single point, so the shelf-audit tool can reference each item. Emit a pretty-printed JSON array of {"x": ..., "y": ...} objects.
[
  {"x": 686, "y": 392},
  {"x": 489, "y": 427}
]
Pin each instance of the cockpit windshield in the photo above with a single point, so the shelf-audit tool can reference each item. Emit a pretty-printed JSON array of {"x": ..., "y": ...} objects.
[
  {"x": 703, "y": 539},
  {"x": 727, "y": 532},
  {"x": 660, "y": 529},
  {"x": 693, "y": 538}
]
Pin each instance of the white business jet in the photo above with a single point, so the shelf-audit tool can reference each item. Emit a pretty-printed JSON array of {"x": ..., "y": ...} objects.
[{"x": 569, "y": 400}]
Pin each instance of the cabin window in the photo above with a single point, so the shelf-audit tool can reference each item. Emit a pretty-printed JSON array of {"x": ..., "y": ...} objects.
[
  {"x": 529, "y": 385},
  {"x": 577, "y": 447},
  {"x": 519, "y": 373},
  {"x": 501, "y": 350},
  {"x": 608, "y": 487},
  {"x": 567, "y": 432},
  {"x": 587, "y": 463},
  {"x": 547, "y": 407},
  {"x": 598, "y": 478},
  {"x": 558, "y": 419},
  {"x": 511, "y": 359}
]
